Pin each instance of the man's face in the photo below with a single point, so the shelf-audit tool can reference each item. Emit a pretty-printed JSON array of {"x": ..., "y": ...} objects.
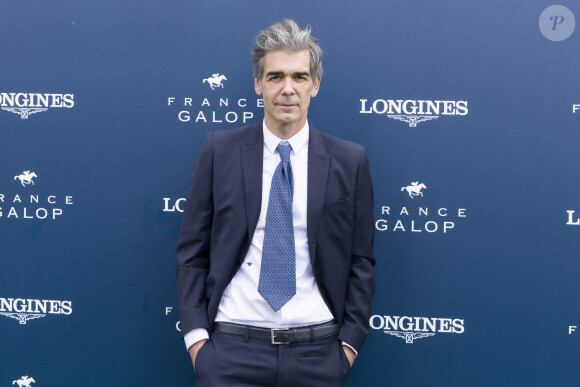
[{"x": 286, "y": 87}]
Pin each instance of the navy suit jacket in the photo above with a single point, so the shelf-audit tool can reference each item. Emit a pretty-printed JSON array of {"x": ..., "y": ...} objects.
[{"x": 222, "y": 210}]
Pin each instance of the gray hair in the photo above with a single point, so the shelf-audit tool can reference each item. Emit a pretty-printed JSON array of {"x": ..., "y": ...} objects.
[{"x": 286, "y": 36}]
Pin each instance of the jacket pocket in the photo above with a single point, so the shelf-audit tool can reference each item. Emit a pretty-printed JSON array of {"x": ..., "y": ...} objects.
[{"x": 343, "y": 203}]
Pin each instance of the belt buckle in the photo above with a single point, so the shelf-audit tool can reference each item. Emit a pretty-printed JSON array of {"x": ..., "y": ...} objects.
[{"x": 273, "y": 335}]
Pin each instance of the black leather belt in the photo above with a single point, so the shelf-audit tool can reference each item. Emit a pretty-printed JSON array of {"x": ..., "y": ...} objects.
[{"x": 278, "y": 335}]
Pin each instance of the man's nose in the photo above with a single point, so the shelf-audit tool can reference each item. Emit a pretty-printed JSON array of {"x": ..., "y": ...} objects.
[{"x": 288, "y": 86}]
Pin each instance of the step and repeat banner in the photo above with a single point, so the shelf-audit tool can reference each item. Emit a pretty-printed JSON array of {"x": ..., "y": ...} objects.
[{"x": 470, "y": 113}]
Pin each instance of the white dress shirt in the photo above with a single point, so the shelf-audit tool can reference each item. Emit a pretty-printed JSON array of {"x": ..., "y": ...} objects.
[{"x": 241, "y": 302}]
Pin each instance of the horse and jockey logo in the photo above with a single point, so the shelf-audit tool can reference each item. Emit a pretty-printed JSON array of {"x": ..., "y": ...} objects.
[
  {"x": 26, "y": 178},
  {"x": 215, "y": 80},
  {"x": 414, "y": 189},
  {"x": 24, "y": 112},
  {"x": 412, "y": 120},
  {"x": 24, "y": 381}
]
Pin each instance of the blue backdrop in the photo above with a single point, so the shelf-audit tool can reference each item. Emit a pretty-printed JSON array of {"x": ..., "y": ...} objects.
[{"x": 470, "y": 114}]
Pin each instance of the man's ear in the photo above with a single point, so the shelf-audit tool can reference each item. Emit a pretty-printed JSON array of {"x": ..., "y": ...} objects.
[
  {"x": 257, "y": 86},
  {"x": 314, "y": 91}
]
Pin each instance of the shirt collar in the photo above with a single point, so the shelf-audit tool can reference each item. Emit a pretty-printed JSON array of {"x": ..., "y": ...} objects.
[{"x": 297, "y": 142}]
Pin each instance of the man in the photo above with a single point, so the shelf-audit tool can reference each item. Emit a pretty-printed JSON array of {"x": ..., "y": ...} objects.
[{"x": 275, "y": 260}]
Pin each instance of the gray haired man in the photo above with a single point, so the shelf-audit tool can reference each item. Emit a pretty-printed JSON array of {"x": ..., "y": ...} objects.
[{"x": 275, "y": 257}]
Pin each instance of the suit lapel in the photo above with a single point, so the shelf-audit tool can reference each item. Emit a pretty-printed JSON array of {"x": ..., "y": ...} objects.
[
  {"x": 318, "y": 162},
  {"x": 252, "y": 164}
]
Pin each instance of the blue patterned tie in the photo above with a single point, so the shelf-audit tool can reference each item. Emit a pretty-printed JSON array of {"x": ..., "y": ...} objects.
[{"x": 278, "y": 271}]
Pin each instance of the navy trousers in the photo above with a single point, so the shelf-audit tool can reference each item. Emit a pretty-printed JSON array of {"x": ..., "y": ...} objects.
[{"x": 227, "y": 360}]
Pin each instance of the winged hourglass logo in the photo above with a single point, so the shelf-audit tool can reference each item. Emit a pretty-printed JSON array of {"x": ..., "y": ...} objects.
[{"x": 24, "y": 112}]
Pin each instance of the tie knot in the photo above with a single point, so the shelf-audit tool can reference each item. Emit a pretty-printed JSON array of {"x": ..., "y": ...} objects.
[{"x": 284, "y": 150}]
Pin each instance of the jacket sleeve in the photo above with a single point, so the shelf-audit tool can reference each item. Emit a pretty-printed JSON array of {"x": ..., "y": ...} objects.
[
  {"x": 193, "y": 249},
  {"x": 361, "y": 286}
]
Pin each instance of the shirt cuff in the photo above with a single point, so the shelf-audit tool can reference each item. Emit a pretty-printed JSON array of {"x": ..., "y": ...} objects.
[
  {"x": 354, "y": 350},
  {"x": 195, "y": 335}
]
